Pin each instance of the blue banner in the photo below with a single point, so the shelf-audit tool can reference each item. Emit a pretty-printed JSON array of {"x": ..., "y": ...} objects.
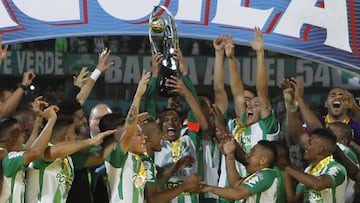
[{"x": 324, "y": 31}]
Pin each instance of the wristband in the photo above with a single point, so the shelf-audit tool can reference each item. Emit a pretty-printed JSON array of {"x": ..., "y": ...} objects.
[
  {"x": 22, "y": 86},
  {"x": 95, "y": 74}
]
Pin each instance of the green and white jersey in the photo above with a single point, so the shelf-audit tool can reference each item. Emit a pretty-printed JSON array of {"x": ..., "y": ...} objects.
[
  {"x": 349, "y": 153},
  {"x": 124, "y": 183},
  {"x": 280, "y": 191},
  {"x": 211, "y": 163},
  {"x": 164, "y": 158},
  {"x": 208, "y": 157},
  {"x": 266, "y": 129},
  {"x": 51, "y": 181},
  {"x": 350, "y": 192},
  {"x": 336, "y": 194},
  {"x": 13, "y": 186},
  {"x": 262, "y": 186}
]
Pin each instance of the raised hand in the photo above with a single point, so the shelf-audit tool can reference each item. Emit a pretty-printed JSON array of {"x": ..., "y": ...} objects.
[
  {"x": 38, "y": 105},
  {"x": 50, "y": 112},
  {"x": 3, "y": 51},
  {"x": 229, "y": 46},
  {"x": 82, "y": 78},
  {"x": 257, "y": 44},
  {"x": 229, "y": 146},
  {"x": 219, "y": 43},
  {"x": 178, "y": 56},
  {"x": 287, "y": 86},
  {"x": 177, "y": 85},
  {"x": 145, "y": 78},
  {"x": 28, "y": 77},
  {"x": 143, "y": 118},
  {"x": 103, "y": 56},
  {"x": 156, "y": 60}
]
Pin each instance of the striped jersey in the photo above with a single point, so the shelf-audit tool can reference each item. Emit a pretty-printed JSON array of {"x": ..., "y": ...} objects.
[
  {"x": 164, "y": 158},
  {"x": 122, "y": 171},
  {"x": 262, "y": 186},
  {"x": 266, "y": 129},
  {"x": 336, "y": 194},
  {"x": 51, "y": 181},
  {"x": 13, "y": 186}
]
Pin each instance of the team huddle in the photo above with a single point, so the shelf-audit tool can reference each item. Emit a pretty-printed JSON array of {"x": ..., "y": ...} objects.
[{"x": 168, "y": 155}]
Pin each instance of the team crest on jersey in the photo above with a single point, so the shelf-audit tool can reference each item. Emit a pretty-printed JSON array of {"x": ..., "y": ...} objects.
[
  {"x": 333, "y": 171},
  {"x": 147, "y": 165}
]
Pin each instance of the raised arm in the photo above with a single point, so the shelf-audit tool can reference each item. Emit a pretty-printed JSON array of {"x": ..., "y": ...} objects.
[
  {"x": 101, "y": 67},
  {"x": 178, "y": 56},
  {"x": 352, "y": 104},
  {"x": 229, "y": 148},
  {"x": 38, "y": 105},
  {"x": 180, "y": 87},
  {"x": 41, "y": 142},
  {"x": 3, "y": 51},
  {"x": 309, "y": 117},
  {"x": 262, "y": 87},
  {"x": 221, "y": 99},
  {"x": 9, "y": 105},
  {"x": 151, "y": 92},
  {"x": 132, "y": 116},
  {"x": 236, "y": 83},
  {"x": 296, "y": 131}
]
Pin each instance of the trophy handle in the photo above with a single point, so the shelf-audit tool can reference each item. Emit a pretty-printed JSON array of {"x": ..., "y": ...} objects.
[{"x": 172, "y": 28}]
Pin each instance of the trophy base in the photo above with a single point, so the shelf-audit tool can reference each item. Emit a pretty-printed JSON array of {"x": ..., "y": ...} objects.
[{"x": 164, "y": 90}]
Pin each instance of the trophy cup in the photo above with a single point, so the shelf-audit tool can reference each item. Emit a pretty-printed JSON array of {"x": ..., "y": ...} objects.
[{"x": 163, "y": 38}]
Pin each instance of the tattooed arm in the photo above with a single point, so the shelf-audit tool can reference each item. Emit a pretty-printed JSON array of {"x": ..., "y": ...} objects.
[{"x": 132, "y": 116}]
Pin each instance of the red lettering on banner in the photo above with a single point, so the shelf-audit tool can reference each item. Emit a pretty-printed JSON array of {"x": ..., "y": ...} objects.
[
  {"x": 86, "y": 17},
  {"x": 161, "y": 11},
  {"x": 273, "y": 22},
  {"x": 207, "y": 15},
  {"x": 13, "y": 17},
  {"x": 309, "y": 27},
  {"x": 353, "y": 28}
]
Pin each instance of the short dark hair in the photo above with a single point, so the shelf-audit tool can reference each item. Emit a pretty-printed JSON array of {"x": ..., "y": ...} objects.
[
  {"x": 5, "y": 125},
  {"x": 111, "y": 121},
  {"x": 69, "y": 107},
  {"x": 163, "y": 114},
  {"x": 326, "y": 135},
  {"x": 345, "y": 130},
  {"x": 269, "y": 146}
]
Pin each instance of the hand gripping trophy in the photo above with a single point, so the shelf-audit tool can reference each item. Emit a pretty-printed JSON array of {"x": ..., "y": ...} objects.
[{"x": 164, "y": 38}]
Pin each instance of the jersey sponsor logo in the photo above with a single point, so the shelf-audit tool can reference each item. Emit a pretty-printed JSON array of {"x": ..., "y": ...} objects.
[
  {"x": 61, "y": 178},
  {"x": 254, "y": 180},
  {"x": 313, "y": 195},
  {"x": 13, "y": 155}
]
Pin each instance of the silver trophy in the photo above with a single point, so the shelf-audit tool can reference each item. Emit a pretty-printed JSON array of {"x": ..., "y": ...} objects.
[{"x": 164, "y": 38}]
